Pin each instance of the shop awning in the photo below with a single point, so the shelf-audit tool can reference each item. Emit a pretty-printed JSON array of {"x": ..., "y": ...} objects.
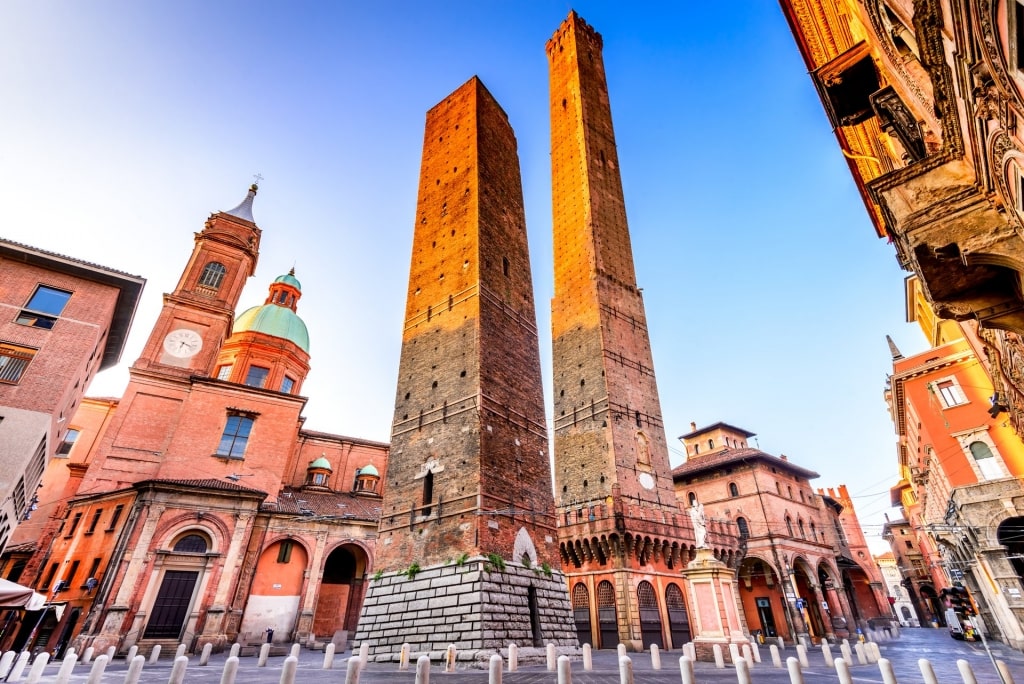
[{"x": 14, "y": 595}]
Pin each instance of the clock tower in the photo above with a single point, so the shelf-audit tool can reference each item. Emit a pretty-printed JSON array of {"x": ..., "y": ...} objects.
[{"x": 197, "y": 316}]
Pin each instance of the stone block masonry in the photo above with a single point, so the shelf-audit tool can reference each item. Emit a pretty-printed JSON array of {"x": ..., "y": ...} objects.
[{"x": 475, "y": 605}]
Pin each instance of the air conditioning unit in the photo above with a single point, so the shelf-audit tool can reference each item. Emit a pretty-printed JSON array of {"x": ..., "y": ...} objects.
[
  {"x": 91, "y": 583},
  {"x": 60, "y": 585}
]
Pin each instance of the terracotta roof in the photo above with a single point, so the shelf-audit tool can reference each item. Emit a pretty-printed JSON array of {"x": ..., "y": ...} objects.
[
  {"x": 314, "y": 434},
  {"x": 699, "y": 464},
  {"x": 207, "y": 483},
  {"x": 24, "y": 547},
  {"x": 319, "y": 503},
  {"x": 715, "y": 426}
]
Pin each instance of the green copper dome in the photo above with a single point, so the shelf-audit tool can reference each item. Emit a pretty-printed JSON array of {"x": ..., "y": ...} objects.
[
  {"x": 271, "y": 319},
  {"x": 322, "y": 463},
  {"x": 369, "y": 470},
  {"x": 289, "y": 279}
]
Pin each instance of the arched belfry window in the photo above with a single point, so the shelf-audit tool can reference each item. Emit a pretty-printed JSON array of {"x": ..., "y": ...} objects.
[
  {"x": 744, "y": 527},
  {"x": 987, "y": 463},
  {"x": 213, "y": 274},
  {"x": 734, "y": 491}
]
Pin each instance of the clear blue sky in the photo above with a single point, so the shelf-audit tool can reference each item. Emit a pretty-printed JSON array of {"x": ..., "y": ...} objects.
[{"x": 768, "y": 295}]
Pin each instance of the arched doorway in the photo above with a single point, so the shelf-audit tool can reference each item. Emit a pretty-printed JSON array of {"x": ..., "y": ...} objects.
[
  {"x": 678, "y": 619},
  {"x": 811, "y": 610},
  {"x": 341, "y": 591},
  {"x": 581, "y": 613},
  {"x": 607, "y": 618},
  {"x": 831, "y": 587},
  {"x": 1010, "y": 534},
  {"x": 650, "y": 616},
  {"x": 276, "y": 590},
  {"x": 184, "y": 566},
  {"x": 762, "y": 597},
  {"x": 932, "y": 604}
]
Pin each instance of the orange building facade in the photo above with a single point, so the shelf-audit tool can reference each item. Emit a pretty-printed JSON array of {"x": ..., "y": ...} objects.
[{"x": 195, "y": 509}]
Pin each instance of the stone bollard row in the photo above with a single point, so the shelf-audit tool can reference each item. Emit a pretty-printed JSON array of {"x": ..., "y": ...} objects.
[
  {"x": 966, "y": 673},
  {"x": 6, "y": 662},
  {"x": 132, "y": 652},
  {"x": 691, "y": 650},
  {"x": 236, "y": 648},
  {"x": 927, "y": 673},
  {"x": 742, "y": 671},
  {"x": 734, "y": 653},
  {"x": 154, "y": 655},
  {"x": 87, "y": 656},
  {"x": 204, "y": 657},
  {"x": 19, "y": 666},
  {"x": 297, "y": 649},
  {"x": 178, "y": 670},
  {"x": 180, "y": 652},
  {"x": 449, "y": 658},
  {"x": 625, "y": 670},
  {"x": 422, "y": 671},
  {"x": 111, "y": 650},
  {"x": 66, "y": 668},
  {"x": 719, "y": 659},
  {"x": 355, "y": 668},
  {"x": 230, "y": 670},
  {"x": 494, "y": 668},
  {"x": 564, "y": 670},
  {"x": 38, "y": 665},
  {"x": 135, "y": 666},
  {"x": 513, "y": 657},
  {"x": 621, "y": 650},
  {"x": 364, "y": 652},
  {"x": 588, "y": 658},
  {"x": 686, "y": 669},
  {"x": 552, "y": 660},
  {"x": 403, "y": 657},
  {"x": 748, "y": 656},
  {"x": 655, "y": 657},
  {"x": 801, "y": 655},
  {"x": 796, "y": 676},
  {"x": 847, "y": 653},
  {"x": 826, "y": 652},
  {"x": 329, "y": 657},
  {"x": 291, "y": 664},
  {"x": 757, "y": 652},
  {"x": 264, "y": 654},
  {"x": 885, "y": 667},
  {"x": 843, "y": 670},
  {"x": 776, "y": 657},
  {"x": 861, "y": 658}
]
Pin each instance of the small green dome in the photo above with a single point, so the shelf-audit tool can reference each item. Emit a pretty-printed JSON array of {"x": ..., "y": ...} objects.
[
  {"x": 369, "y": 470},
  {"x": 271, "y": 319},
  {"x": 321, "y": 463},
  {"x": 289, "y": 279}
]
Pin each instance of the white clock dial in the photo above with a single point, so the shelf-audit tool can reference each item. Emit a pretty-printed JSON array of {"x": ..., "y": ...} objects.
[
  {"x": 183, "y": 343},
  {"x": 646, "y": 481}
]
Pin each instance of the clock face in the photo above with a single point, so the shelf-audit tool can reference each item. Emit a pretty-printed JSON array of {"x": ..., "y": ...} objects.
[
  {"x": 646, "y": 481},
  {"x": 183, "y": 343}
]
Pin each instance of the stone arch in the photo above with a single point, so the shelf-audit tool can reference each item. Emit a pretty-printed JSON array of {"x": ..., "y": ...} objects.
[
  {"x": 170, "y": 528},
  {"x": 523, "y": 547},
  {"x": 277, "y": 586},
  {"x": 341, "y": 591}
]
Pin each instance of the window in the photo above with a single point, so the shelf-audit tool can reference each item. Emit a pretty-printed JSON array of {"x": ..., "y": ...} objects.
[
  {"x": 50, "y": 574},
  {"x": 71, "y": 573},
  {"x": 191, "y": 543},
  {"x": 213, "y": 274},
  {"x": 910, "y": 544},
  {"x": 284, "y": 551},
  {"x": 14, "y": 360},
  {"x": 287, "y": 384},
  {"x": 256, "y": 376},
  {"x": 93, "y": 570},
  {"x": 733, "y": 489},
  {"x": 428, "y": 493},
  {"x": 74, "y": 524},
  {"x": 115, "y": 517},
  {"x": 692, "y": 498},
  {"x": 95, "y": 521},
  {"x": 986, "y": 460},
  {"x": 44, "y": 307},
  {"x": 69, "y": 441},
  {"x": 814, "y": 532},
  {"x": 224, "y": 372},
  {"x": 789, "y": 526},
  {"x": 803, "y": 532},
  {"x": 949, "y": 392},
  {"x": 17, "y": 567},
  {"x": 235, "y": 437},
  {"x": 711, "y": 444},
  {"x": 744, "y": 528}
]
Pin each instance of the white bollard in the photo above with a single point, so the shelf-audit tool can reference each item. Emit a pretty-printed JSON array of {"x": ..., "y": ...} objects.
[
  {"x": 132, "y": 652},
  {"x": 861, "y": 658},
  {"x": 826, "y": 651},
  {"x": 230, "y": 670},
  {"x": 843, "y": 670},
  {"x": 422, "y": 670},
  {"x": 734, "y": 653},
  {"x": 793, "y": 665},
  {"x": 748, "y": 655},
  {"x": 847, "y": 653},
  {"x": 513, "y": 657},
  {"x": 70, "y": 651},
  {"x": 781, "y": 642},
  {"x": 927, "y": 672},
  {"x": 403, "y": 657},
  {"x": 552, "y": 659},
  {"x": 204, "y": 657},
  {"x": 154, "y": 655},
  {"x": 885, "y": 667},
  {"x": 966, "y": 673},
  {"x": 87, "y": 656},
  {"x": 801, "y": 655},
  {"x": 621, "y": 650},
  {"x": 691, "y": 650},
  {"x": 355, "y": 668},
  {"x": 66, "y": 668},
  {"x": 686, "y": 669},
  {"x": 134, "y": 673},
  {"x": 1004, "y": 672},
  {"x": 235, "y": 649},
  {"x": 264, "y": 654},
  {"x": 757, "y": 652},
  {"x": 329, "y": 657},
  {"x": 655, "y": 657},
  {"x": 297, "y": 649},
  {"x": 177, "y": 670},
  {"x": 719, "y": 660},
  {"x": 180, "y": 652},
  {"x": 874, "y": 655},
  {"x": 494, "y": 673},
  {"x": 291, "y": 663},
  {"x": 111, "y": 650},
  {"x": 742, "y": 671},
  {"x": 364, "y": 652},
  {"x": 588, "y": 658},
  {"x": 449, "y": 658},
  {"x": 96, "y": 673},
  {"x": 564, "y": 670},
  {"x": 19, "y": 666},
  {"x": 776, "y": 658},
  {"x": 38, "y": 665},
  {"x": 6, "y": 661},
  {"x": 625, "y": 670}
]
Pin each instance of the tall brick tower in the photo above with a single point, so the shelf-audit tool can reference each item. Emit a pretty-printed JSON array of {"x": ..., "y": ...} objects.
[
  {"x": 467, "y": 533},
  {"x": 620, "y": 522}
]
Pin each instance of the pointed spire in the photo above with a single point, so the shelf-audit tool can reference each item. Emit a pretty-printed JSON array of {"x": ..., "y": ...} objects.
[
  {"x": 893, "y": 349},
  {"x": 244, "y": 210}
]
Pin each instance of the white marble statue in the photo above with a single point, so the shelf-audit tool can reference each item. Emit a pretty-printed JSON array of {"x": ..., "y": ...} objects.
[{"x": 700, "y": 524}]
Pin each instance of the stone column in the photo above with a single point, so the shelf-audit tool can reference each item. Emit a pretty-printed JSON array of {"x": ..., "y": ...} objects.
[{"x": 714, "y": 618}]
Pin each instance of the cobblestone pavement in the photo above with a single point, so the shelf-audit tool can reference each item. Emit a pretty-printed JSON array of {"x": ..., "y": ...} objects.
[{"x": 933, "y": 644}]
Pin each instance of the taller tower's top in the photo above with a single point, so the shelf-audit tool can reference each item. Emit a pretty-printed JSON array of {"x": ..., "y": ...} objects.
[{"x": 244, "y": 208}]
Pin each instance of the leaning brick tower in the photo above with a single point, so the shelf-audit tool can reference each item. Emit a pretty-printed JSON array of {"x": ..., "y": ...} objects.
[
  {"x": 467, "y": 550},
  {"x": 620, "y": 523}
]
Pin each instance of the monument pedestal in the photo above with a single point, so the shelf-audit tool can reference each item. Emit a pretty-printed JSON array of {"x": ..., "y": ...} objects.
[{"x": 714, "y": 617}]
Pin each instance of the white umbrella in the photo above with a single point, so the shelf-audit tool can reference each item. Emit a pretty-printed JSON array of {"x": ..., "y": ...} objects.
[{"x": 14, "y": 595}]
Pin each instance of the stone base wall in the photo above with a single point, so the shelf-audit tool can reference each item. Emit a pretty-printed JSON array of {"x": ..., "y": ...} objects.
[{"x": 476, "y": 606}]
